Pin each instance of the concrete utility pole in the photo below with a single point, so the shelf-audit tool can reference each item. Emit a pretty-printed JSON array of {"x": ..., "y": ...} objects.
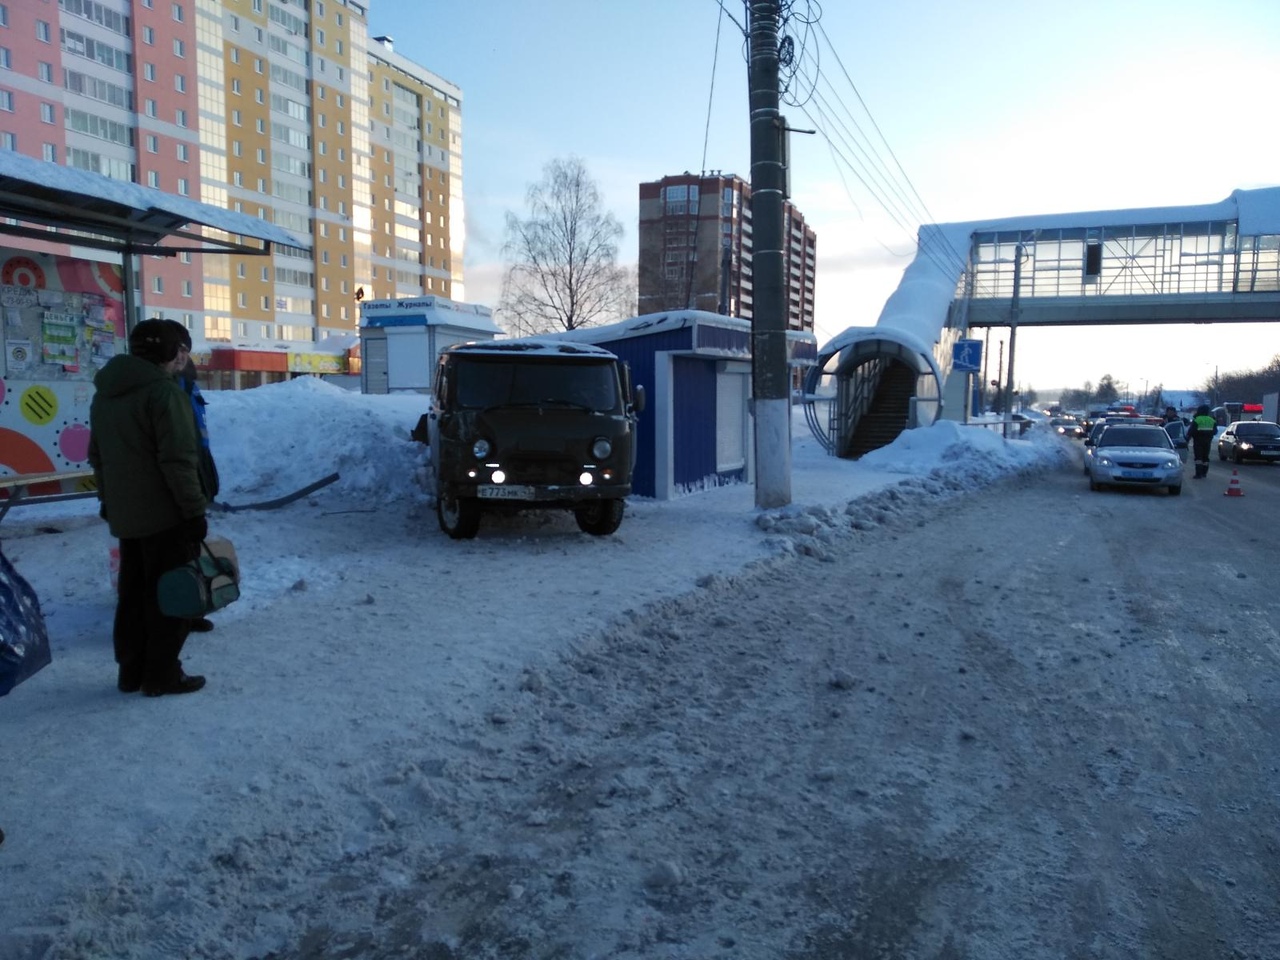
[
  {"x": 770, "y": 386},
  {"x": 1015, "y": 310}
]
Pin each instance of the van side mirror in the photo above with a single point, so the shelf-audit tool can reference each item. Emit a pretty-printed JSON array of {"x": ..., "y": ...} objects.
[{"x": 637, "y": 400}]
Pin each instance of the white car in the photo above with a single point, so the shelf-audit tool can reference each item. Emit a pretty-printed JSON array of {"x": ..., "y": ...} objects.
[{"x": 1135, "y": 455}]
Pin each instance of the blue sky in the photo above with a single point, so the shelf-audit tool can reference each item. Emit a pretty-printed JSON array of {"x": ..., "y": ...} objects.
[{"x": 991, "y": 108}]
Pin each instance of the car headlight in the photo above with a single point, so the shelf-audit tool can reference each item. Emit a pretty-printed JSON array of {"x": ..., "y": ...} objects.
[
  {"x": 480, "y": 449},
  {"x": 1245, "y": 445},
  {"x": 1172, "y": 464},
  {"x": 601, "y": 448},
  {"x": 1103, "y": 460}
]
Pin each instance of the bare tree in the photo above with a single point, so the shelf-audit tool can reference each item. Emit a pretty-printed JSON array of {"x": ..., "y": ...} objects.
[{"x": 562, "y": 270}]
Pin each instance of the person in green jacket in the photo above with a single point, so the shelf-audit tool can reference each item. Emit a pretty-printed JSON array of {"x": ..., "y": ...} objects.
[
  {"x": 144, "y": 452},
  {"x": 1200, "y": 434}
]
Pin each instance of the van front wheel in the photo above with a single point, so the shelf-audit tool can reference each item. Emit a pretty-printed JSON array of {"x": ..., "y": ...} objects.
[
  {"x": 459, "y": 516},
  {"x": 599, "y": 517}
]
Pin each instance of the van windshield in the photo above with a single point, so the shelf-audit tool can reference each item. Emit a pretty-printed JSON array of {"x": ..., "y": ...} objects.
[{"x": 482, "y": 384}]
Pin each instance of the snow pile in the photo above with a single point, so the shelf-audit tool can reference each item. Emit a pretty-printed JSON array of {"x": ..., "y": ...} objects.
[{"x": 402, "y": 733}]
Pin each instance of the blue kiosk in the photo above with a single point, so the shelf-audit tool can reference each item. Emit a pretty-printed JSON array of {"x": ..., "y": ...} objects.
[{"x": 696, "y": 430}]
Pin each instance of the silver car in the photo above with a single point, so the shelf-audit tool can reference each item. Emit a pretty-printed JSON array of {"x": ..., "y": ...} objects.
[{"x": 1135, "y": 455}]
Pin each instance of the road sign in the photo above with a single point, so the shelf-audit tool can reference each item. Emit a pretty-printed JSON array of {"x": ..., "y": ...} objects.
[{"x": 966, "y": 356}]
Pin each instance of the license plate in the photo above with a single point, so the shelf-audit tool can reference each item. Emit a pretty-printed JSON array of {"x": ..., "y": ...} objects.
[
  {"x": 1271, "y": 453},
  {"x": 505, "y": 492},
  {"x": 1136, "y": 474}
]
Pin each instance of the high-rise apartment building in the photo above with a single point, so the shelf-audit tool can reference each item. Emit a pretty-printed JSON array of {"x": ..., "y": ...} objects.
[
  {"x": 696, "y": 248},
  {"x": 282, "y": 109}
]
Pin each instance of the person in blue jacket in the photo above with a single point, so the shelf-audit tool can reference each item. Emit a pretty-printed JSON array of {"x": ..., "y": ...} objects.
[{"x": 208, "y": 469}]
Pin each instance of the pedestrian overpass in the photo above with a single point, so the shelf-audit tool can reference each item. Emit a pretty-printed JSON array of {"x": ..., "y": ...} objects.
[{"x": 1213, "y": 263}]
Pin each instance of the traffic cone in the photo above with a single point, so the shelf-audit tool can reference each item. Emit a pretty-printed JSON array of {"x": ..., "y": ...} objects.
[{"x": 1233, "y": 488}]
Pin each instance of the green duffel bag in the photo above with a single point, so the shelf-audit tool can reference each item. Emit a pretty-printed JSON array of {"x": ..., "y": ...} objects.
[{"x": 203, "y": 585}]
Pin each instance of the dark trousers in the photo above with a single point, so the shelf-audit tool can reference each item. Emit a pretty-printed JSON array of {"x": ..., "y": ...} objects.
[
  {"x": 1200, "y": 447},
  {"x": 147, "y": 643}
]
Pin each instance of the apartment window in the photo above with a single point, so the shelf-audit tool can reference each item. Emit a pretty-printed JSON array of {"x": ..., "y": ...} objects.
[
  {"x": 184, "y": 257},
  {"x": 320, "y": 37},
  {"x": 8, "y": 141},
  {"x": 6, "y": 62},
  {"x": 320, "y": 9},
  {"x": 235, "y": 58},
  {"x": 262, "y": 185},
  {"x": 264, "y": 275},
  {"x": 177, "y": 12},
  {"x": 180, "y": 117},
  {"x": 157, "y": 284},
  {"x": 261, "y": 125},
  {"x": 257, "y": 64},
  {"x": 324, "y": 258},
  {"x": 46, "y": 113},
  {"x": 153, "y": 179},
  {"x": 179, "y": 48},
  {"x": 186, "y": 288},
  {"x": 337, "y": 18},
  {"x": 149, "y": 107},
  {"x": 257, "y": 6},
  {"x": 50, "y": 153},
  {"x": 258, "y": 95},
  {"x": 338, "y": 45},
  {"x": 242, "y": 301},
  {"x": 262, "y": 155},
  {"x": 149, "y": 72},
  {"x": 4, "y": 15},
  {"x": 45, "y": 71},
  {"x": 235, "y": 87},
  {"x": 180, "y": 83},
  {"x": 148, "y": 35},
  {"x": 183, "y": 189},
  {"x": 235, "y": 24},
  {"x": 242, "y": 328},
  {"x": 266, "y": 303},
  {"x": 43, "y": 32},
  {"x": 236, "y": 148},
  {"x": 184, "y": 152},
  {"x": 235, "y": 117},
  {"x": 237, "y": 178},
  {"x": 153, "y": 143},
  {"x": 324, "y": 284},
  {"x": 321, "y": 146}
]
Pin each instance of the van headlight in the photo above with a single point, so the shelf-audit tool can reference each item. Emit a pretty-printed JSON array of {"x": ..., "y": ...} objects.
[
  {"x": 480, "y": 449},
  {"x": 601, "y": 448}
]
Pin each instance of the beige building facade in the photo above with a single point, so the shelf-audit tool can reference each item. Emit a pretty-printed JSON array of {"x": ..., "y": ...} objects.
[{"x": 282, "y": 109}]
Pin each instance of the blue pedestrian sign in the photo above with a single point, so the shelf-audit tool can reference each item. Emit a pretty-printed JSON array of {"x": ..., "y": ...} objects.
[{"x": 966, "y": 356}]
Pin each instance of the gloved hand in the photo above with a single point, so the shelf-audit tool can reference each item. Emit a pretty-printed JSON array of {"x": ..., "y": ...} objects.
[{"x": 195, "y": 529}]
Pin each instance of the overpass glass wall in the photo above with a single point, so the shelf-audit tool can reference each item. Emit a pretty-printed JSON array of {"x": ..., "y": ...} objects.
[{"x": 1181, "y": 258}]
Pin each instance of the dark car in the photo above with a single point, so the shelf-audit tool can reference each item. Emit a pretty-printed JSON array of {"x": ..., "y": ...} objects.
[
  {"x": 1250, "y": 440},
  {"x": 1067, "y": 427}
]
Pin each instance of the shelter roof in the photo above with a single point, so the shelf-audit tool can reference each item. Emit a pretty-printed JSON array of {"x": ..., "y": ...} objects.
[{"x": 70, "y": 205}]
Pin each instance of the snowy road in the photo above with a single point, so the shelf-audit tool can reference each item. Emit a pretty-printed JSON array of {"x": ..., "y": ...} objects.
[
  {"x": 1027, "y": 723},
  {"x": 1056, "y": 748}
]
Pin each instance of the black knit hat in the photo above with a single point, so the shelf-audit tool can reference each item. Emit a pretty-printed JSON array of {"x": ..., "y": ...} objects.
[{"x": 157, "y": 340}]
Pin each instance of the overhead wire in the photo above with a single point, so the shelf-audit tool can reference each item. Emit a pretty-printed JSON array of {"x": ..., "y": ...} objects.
[{"x": 851, "y": 145}]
